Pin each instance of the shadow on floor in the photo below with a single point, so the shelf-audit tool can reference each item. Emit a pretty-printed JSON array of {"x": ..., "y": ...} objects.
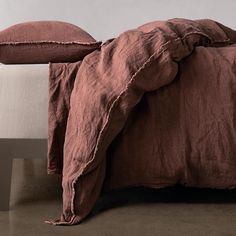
[{"x": 174, "y": 194}]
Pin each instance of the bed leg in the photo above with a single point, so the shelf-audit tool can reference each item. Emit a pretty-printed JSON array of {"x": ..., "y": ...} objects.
[{"x": 5, "y": 182}]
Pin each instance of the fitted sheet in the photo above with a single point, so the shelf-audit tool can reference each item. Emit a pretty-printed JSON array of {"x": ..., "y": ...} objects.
[{"x": 23, "y": 101}]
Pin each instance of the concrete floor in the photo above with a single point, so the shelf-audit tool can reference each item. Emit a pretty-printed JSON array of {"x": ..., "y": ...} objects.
[{"x": 35, "y": 197}]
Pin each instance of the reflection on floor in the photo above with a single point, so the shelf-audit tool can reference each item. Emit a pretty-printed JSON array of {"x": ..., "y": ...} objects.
[{"x": 35, "y": 197}]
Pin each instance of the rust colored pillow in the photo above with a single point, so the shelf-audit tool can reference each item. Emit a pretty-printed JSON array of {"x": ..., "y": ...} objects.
[{"x": 44, "y": 42}]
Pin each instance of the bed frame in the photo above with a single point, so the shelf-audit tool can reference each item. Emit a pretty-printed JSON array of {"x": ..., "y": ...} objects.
[{"x": 23, "y": 119}]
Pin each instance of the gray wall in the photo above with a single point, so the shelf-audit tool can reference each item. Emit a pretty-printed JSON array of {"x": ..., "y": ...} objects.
[{"x": 107, "y": 18}]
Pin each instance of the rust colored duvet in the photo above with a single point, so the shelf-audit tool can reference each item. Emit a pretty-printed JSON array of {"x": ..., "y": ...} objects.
[{"x": 153, "y": 107}]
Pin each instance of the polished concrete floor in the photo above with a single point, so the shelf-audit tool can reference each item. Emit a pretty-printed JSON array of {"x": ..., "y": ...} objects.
[{"x": 35, "y": 197}]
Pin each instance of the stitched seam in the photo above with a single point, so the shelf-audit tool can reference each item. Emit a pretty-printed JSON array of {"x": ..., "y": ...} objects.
[{"x": 49, "y": 42}]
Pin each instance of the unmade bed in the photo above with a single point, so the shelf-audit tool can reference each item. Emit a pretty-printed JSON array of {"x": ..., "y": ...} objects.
[{"x": 153, "y": 107}]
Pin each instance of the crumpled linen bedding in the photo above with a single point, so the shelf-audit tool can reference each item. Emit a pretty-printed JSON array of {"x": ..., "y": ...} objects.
[{"x": 153, "y": 107}]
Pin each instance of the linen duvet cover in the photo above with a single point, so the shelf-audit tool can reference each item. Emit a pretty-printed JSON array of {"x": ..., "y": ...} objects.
[{"x": 153, "y": 107}]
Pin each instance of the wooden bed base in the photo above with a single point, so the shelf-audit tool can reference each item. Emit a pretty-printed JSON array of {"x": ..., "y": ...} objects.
[{"x": 16, "y": 148}]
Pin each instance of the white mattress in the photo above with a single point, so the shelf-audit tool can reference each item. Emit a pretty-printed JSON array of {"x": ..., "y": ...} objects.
[{"x": 23, "y": 101}]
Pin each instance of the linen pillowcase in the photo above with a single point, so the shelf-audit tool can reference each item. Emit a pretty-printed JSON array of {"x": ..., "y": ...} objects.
[{"x": 44, "y": 42}]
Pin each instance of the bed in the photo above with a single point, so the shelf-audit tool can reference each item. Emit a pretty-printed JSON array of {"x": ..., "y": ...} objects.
[{"x": 153, "y": 107}]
